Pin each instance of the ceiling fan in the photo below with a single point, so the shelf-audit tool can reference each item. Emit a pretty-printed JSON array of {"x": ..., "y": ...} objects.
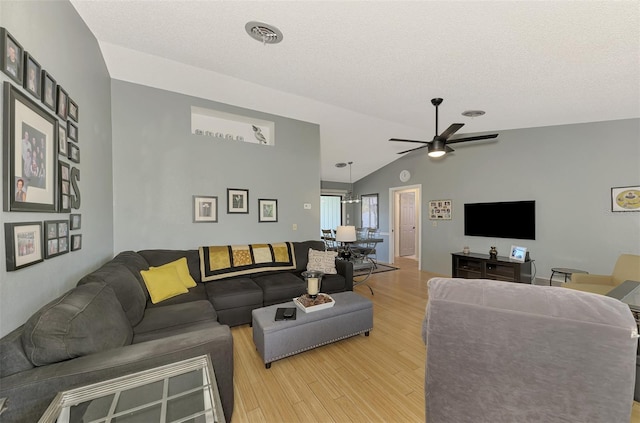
[{"x": 438, "y": 146}]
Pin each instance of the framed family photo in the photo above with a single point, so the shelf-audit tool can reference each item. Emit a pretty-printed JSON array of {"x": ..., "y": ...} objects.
[
  {"x": 57, "y": 237},
  {"x": 61, "y": 103},
  {"x": 267, "y": 210},
  {"x": 48, "y": 90},
  {"x": 32, "y": 75},
  {"x": 237, "y": 200},
  {"x": 625, "y": 199},
  {"x": 73, "y": 153},
  {"x": 30, "y": 154},
  {"x": 75, "y": 221},
  {"x": 73, "y": 110},
  {"x": 205, "y": 208},
  {"x": 23, "y": 244},
  {"x": 62, "y": 141},
  {"x": 64, "y": 187},
  {"x": 72, "y": 130},
  {"x": 11, "y": 59},
  {"x": 76, "y": 242}
]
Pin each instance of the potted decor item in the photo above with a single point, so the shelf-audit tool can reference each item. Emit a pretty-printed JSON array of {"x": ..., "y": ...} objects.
[{"x": 493, "y": 253}]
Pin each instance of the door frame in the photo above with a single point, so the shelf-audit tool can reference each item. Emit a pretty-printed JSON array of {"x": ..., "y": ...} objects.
[{"x": 393, "y": 222}]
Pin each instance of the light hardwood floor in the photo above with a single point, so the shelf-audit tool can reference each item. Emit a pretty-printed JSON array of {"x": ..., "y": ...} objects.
[{"x": 378, "y": 378}]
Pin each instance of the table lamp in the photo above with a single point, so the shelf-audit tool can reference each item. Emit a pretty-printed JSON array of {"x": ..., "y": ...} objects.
[{"x": 346, "y": 235}]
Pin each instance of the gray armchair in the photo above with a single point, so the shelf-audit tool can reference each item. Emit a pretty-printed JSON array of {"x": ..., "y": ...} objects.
[{"x": 507, "y": 352}]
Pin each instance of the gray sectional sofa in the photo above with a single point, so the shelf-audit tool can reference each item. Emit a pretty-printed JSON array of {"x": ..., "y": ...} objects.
[{"x": 107, "y": 327}]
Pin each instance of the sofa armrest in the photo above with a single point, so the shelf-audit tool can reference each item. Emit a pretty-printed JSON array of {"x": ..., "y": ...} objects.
[
  {"x": 30, "y": 392},
  {"x": 345, "y": 268},
  {"x": 592, "y": 279}
]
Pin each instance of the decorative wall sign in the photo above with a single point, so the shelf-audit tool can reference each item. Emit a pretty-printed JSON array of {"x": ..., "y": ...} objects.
[
  {"x": 231, "y": 127},
  {"x": 23, "y": 243},
  {"x": 205, "y": 208},
  {"x": 625, "y": 199},
  {"x": 30, "y": 154},
  {"x": 267, "y": 210},
  {"x": 440, "y": 209}
]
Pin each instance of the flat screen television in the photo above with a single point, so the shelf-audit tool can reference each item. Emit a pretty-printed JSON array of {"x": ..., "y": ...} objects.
[{"x": 509, "y": 219}]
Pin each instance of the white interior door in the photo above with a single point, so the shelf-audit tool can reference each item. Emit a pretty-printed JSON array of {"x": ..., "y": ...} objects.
[{"x": 407, "y": 224}]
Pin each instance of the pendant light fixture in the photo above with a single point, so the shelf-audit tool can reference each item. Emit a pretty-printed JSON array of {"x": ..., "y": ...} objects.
[{"x": 349, "y": 199}]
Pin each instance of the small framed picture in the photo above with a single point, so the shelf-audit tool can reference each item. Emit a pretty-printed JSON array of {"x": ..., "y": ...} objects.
[
  {"x": 48, "y": 90},
  {"x": 74, "y": 153},
  {"x": 57, "y": 237},
  {"x": 76, "y": 242},
  {"x": 23, "y": 242},
  {"x": 267, "y": 210},
  {"x": 62, "y": 100},
  {"x": 62, "y": 141},
  {"x": 237, "y": 201},
  {"x": 32, "y": 75},
  {"x": 63, "y": 184},
  {"x": 625, "y": 199},
  {"x": 75, "y": 221},
  {"x": 205, "y": 208},
  {"x": 72, "y": 131},
  {"x": 518, "y": 253},
  {"x": 73, "y": 110},
  {"x": 11, "y": 60}
]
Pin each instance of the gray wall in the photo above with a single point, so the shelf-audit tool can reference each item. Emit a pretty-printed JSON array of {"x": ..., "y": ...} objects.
[
  {"x": 568, "y": 170},
  {"x": 59, "y": 40},
  {"x": 159, "y": 165}
]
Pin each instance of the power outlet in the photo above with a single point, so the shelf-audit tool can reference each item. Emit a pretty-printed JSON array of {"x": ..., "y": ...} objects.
[{"x": 294, "y": 227}]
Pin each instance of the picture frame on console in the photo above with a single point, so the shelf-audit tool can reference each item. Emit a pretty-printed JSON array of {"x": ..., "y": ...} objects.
[
  {"x": 205, "y": 209},
  {"x": 267, "y": 210},
  {"x": 237, "y": 201},
  {"x": 518, "y": 253},
  {"x": 30, "y": 154},
  {"x": 23, "y": 244},
  {"x": 625, "y": 199}
]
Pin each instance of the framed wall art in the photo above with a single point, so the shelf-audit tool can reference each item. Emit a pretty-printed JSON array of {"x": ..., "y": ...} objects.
[
  {"x": 625, "y": 199},
  {"x": 73, "y": 110},
  {"x": 267, "y": 210},
  {"x": 205, "y": 208},
  {"x": 30, "y": 154},
  {"x": 75, "y": 221},
  {"x": 23, "y": 244},
  {"x": 57, "y": 237},
  {"x": 76, "y": 242},
  {"x": 61, "y": 103},
  {"x": 72, "y": 131},
  {"x": 48, "y": 90},
  {"x": 237, "y": 200},
  {"x": 369, "y": 211},
  {"x": 74, "y": 152},
  {"x": 62, "y": 141},
  {"x": 440, "y": 209},
  {"x": 32, "y": 75},
  {"x": 64, "y": 187},
  {"x": 11, "y": 59}
]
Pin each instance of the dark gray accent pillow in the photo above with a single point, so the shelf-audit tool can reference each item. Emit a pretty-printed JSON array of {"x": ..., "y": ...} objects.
[
  {"x": 85, "y": 320},
  {"x": 302, "y": 252}
]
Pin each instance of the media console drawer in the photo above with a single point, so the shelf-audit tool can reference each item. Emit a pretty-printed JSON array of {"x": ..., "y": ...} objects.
[{"x": 480, "y": 266}]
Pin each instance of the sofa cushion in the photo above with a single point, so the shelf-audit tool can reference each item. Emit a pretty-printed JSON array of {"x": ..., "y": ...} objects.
[
  {"x": 159, "y": 319},
  {"x": 234, "y": 293},
  {"x": 322, "y": 261},
  {"x": 333, "y": 283},
  {"x": 196, "y": 293},
  {"x": 225, "y": 261},
  {"x": 135, "y": 263},
  {"x": 157, "y": 258},
  {"x": 74, "y": 325},
  {"x": 12, "y": 356},
  {"x": 163, "y": 283},
  {"x": 125, "y": 285},
  {"x": 280, "y": 287}
]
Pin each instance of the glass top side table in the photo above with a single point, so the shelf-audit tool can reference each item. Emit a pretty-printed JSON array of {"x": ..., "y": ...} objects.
[{"x": 184, "y": 391}]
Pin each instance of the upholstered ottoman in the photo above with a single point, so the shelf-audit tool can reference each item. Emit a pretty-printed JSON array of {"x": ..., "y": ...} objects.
[{"x": 351, "y": 315}]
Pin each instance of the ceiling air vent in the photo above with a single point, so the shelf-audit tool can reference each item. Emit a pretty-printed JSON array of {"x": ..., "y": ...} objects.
[{"x": 265, "y": 33}]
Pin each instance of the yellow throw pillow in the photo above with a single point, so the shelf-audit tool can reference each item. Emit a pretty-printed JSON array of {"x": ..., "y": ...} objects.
[
  {"x": 183, "y": 271},
  {"x": 163, "y": 283}
]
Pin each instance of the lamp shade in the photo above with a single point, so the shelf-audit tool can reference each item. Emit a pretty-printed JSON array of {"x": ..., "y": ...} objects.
[{"x": 346, "y": 234}]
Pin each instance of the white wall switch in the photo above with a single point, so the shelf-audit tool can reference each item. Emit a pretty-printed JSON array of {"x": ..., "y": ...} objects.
[{"x": 307, "y": 206}]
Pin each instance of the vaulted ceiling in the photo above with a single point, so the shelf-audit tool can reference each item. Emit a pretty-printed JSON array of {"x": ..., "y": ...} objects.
[{"x": 526, "y": 63}]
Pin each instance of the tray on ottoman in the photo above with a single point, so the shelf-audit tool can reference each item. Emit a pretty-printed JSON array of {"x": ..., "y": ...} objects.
[{"x": 351, "y": 315}]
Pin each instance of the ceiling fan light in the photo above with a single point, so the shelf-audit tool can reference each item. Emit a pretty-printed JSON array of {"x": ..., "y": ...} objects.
[
  {"x": 436, "y": 148},
  {"x": 435, "y": 154}
]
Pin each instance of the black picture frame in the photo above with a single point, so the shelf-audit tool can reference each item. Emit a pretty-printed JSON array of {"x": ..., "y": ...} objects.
[
  {"x": 23, "y": 244},
  {"x": 74, "y": 152},
  {"x": 62, "y": 141},
  {"x": 56, "y": 238},
  {"x": 76, "y": 242},
  {"x": 205, "y": 209},
  {"x": 72, "y": 131},
  {"x": 237, "y": 201},
  {"x": 11, "y": 60},
  {"x": 64, "y": 187},
  {"x": 49, "y": 90},
  {"x": 267, "y": 210},
  {"x": 32, "y": 75},
  {"x": 369, "y": 211},
  {"x": 62, "y": 106},
  {"x": 29, "y": 177},
  {"x": 75, "y": 221},
  {"x": 73, "y": 110}
]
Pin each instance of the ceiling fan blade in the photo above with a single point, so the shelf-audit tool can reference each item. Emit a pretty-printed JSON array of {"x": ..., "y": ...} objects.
[
  {"x": 413, "y": 149},
  {"x": 448, "y": 149},
  {"x": 398, "y": 139},
  {"x": 477, "y": 138},
  {"x": 452, "y": 129}
]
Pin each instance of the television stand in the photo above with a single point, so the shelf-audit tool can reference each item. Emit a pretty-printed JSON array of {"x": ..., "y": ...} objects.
[{"x": 480, "y": 266}]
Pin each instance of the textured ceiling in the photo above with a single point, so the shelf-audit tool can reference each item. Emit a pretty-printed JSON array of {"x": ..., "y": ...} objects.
[{"x": 527, "y": 64}]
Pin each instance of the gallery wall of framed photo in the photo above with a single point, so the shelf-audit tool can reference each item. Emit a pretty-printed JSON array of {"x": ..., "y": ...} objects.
[{"x": 41, "y": 158}]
